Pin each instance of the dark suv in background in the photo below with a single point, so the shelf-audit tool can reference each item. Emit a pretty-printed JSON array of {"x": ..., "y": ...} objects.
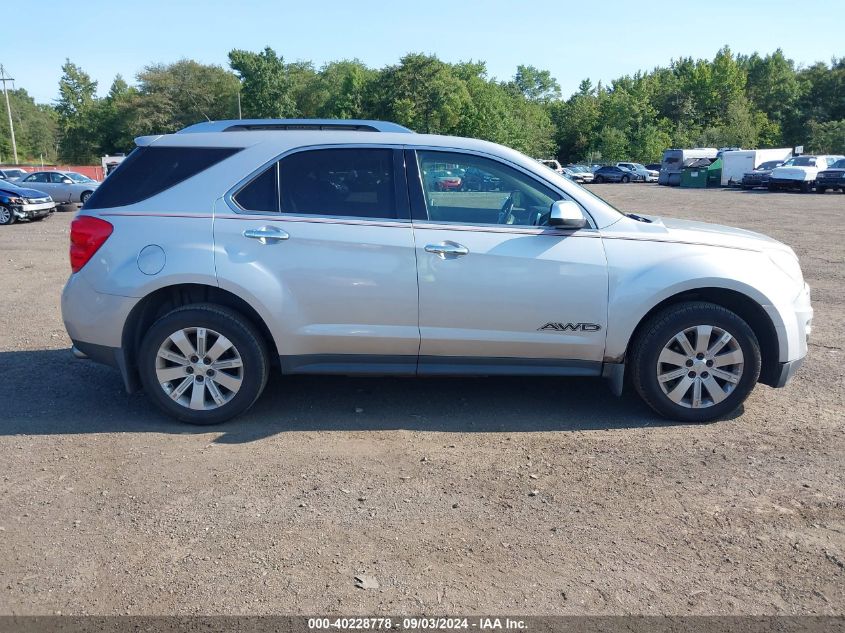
[{"x": 612, "y": 173}]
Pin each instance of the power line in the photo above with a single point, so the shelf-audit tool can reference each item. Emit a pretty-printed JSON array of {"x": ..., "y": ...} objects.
[{"x": 4, "y": 79}]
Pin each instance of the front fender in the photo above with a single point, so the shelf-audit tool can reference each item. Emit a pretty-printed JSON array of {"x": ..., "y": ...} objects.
[{"x": 643, "y": 274}]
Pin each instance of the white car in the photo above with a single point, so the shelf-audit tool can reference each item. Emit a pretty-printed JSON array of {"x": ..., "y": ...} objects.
[
  {"x": 65, "y": 187},
  {"x": 799, "y": 172},
  {"x": 232, "y": 247}
]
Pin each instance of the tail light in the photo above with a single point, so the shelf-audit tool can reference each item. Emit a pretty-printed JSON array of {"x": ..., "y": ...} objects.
[{"x": 87, "y": 235}]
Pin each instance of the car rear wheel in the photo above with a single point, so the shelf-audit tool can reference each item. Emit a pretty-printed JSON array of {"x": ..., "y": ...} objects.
[
  {"x": 821, "y": 189},
  {"x": 806, "y": 186},
  {"x": 203, "y": 364},
  {"x": 598, "y": 179},
  {"x": 6, "y": 216},
  {"x": 626, "y": 179},
  {"x": 695, "y": 362},
  {"x": 84, "y": 197}
]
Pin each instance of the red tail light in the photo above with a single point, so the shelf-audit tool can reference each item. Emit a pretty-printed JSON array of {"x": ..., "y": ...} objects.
[{"x": 87, "y": 235}]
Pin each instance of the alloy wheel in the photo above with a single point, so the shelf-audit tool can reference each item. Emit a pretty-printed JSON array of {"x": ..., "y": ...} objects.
[
  {"x": 700, "y": 366},
  {"x": 199, "y": 368}
]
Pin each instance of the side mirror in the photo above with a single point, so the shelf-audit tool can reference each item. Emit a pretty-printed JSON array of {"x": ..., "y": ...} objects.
[
  {"x": 67, "y": 181},
  {"x": 566, "y": 214}
]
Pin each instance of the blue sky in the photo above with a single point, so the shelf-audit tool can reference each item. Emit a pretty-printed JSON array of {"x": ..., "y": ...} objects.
[{"x": 600, "y": 39}]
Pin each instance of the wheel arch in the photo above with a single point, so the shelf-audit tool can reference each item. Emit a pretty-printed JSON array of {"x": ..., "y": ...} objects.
[
  {"x": 163, "y": 300},
  {"x": 744, "y": 306}
]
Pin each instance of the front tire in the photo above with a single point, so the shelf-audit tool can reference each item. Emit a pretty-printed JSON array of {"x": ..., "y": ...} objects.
[
  {"x": 821, "y": 189},
  {"x": 203, "y": 364},
  {"x": 695, "y": 362},
  {"x": 626, "y": 179},
  {"x": 806, "y": 186},
  {"x": 598, "y": 179},
  {"x": 7, "y": 218}
]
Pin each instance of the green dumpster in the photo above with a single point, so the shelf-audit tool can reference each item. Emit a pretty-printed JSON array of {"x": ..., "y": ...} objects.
[
  {"x": 714, "y": 173},
  {"x": 694, "y": 177}
]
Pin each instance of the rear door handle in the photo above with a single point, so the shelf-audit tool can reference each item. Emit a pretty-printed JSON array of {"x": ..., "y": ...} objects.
[
  {"x": 267, "y": 234},
  {"x": 447, "y": 249}
]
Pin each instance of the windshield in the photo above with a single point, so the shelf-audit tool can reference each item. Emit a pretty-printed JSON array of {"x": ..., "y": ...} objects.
[
  {"x": 840, "y": 164},
  {"x": 770, "y": 164},
  {"x": 75, "y": 177},
  {"x": 802, "y": 161}
]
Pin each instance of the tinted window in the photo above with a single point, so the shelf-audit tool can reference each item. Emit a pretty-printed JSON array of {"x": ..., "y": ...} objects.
[
  {"x": 469, "y": 189},
  {"x": 57, "y": 178},
  {"x": 262, "y": 193},
  {"x": 36, "y": 178},
  {"x": 346, "y": 182},
  {"x": 150, "y": 170}
]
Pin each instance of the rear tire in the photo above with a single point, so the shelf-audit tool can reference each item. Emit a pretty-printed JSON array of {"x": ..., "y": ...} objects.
[
  {"x": 173, "y": 342},
  {"x": 703, "y": 388},
  {"x": 821, "y": 189},
  {"x": 806, "y": 187},
  {"x": 84, "y": 197},
  {"x": 626, "y": 179}
]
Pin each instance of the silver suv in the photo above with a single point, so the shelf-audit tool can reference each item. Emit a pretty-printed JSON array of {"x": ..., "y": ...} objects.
[{"x": 319, "y": 247}]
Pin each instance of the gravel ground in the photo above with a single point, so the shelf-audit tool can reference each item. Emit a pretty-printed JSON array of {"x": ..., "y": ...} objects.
[{"x": 458, "y": 496}]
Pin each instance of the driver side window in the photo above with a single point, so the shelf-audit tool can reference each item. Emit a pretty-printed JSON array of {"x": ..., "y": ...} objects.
[{"x": 466, "y": 189}]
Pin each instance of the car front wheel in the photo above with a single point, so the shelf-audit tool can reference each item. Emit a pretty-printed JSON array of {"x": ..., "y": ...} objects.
[
  {"x": 6, "y": 216},
  {"x": 203, "y": 364},
  {"x": 695, "y": 362}
]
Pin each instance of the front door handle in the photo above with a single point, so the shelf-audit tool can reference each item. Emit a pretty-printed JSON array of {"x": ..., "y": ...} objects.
[
  {"x": 447, "y": 249},
  {"x": 267, "y": 234}
]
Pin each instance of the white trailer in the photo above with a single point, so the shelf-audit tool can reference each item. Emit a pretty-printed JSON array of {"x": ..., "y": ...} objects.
[{"x": 737, "y": 163}]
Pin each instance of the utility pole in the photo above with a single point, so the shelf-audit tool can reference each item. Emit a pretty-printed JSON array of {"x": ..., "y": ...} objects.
[
  {"x": 4, "y": 79},
  {"x": 239, "y": 103}
]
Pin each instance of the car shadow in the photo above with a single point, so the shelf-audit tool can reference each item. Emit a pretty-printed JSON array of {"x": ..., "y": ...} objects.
[{"x": 49, "y": 392}]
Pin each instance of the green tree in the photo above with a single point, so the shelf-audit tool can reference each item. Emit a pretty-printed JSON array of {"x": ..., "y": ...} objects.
[
  {"x": 267, "y": 89},
  {"x": 76, "y": 108}
]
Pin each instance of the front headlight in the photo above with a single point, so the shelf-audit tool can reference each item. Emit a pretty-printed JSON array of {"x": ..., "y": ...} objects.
[
  {"x": 788, "y": 263},
  {"x": 16, "y": 200}
]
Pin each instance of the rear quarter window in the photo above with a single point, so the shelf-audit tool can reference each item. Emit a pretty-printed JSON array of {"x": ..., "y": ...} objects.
[{"x": 148, "y": 171}]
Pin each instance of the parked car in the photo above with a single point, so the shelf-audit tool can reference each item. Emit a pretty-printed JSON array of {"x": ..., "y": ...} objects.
[
  {"x": 203, "y": 262},
  {"x": 760, "y": 176},
  {"x": 12, "y": 173},
  {"x": 475, "y": 179},
  {"x": 65, "y": 187},
  {"x": 646, "y": 175},
  {"x": 444, "y": 180},
  {"x": 612, "y": 173},
  {"x": 21, "y": 203},
  {"x": 799, "y": 172},
  {"x": 575, "y": 176},
  {"x": 585, "y": 172},
  {"x": 551, "y": 164},
  {"x": 653, "y": 167},
  {"x": 832, "y": 178}
]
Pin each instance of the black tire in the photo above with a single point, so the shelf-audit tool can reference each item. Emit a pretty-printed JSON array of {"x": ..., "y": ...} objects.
[
  {"x": 598, "y": 179},
  {"x": 772, "y": 186},
  {"x": 806, "y": 187},
  {"x": 7, "y": 218},
  {"x": 821, "y": 189},
  {"x": 229, "y": 323},
  {"x": 625, "y": 179},
  {"x": 84, "y": 197},
  {"x": 660, "y": 330}
]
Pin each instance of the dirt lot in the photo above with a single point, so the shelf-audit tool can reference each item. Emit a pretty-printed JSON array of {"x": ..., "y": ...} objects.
[{"x": 426, "y": 485}]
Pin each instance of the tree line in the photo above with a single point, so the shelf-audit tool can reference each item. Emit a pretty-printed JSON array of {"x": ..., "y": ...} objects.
[{"x": 732, "y": 100}]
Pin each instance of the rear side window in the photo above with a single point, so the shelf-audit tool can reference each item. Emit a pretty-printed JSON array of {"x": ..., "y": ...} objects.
[
  {"x": 359, "y": 182},
  {"x": 261, "y": 193},
  {"x": 148, "y": 171}
]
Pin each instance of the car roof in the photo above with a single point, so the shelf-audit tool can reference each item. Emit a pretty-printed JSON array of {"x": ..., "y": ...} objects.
[{"x": 287, "y": 125}]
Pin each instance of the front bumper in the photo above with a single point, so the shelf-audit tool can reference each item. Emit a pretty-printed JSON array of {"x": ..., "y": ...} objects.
[
  {"x": 32, "y": 211},
  {"x": 787, "y": 371},
  {"x": 787, "y": 182},
  {"x": 797, "y": 332}
]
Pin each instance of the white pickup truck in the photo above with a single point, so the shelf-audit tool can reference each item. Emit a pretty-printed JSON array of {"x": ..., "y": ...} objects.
[{"x": 800, "y": 172}]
